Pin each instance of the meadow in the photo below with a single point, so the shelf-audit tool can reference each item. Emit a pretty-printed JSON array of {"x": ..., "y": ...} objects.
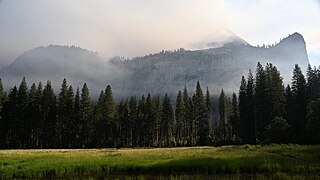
[{"x": 284, "y": 161}]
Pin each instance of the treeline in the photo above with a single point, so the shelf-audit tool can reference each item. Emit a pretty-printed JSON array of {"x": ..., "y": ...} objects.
[
  {"x": 268, "y": 112},
  {"x": 265, "y": 111},
  {"x": 37, "y": 118}
]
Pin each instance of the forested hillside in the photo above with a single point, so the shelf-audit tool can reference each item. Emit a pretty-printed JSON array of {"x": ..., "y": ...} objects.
[{"x": 263, "y": 111}]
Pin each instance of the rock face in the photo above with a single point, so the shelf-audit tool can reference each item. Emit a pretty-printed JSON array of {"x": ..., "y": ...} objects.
[
  {"x": 217, "y": 68},
  {"x": 165, "y": 72}
]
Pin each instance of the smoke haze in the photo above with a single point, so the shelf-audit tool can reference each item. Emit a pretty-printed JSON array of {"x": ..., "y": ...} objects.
[{"x": 135, "y": 28}]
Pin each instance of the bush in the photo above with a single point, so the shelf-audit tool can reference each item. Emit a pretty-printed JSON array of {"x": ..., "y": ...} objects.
[{"x": 277, "y": 131}]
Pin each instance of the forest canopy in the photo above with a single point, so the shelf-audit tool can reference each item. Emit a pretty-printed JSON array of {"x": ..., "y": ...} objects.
[{"x": 263, "y": 111}]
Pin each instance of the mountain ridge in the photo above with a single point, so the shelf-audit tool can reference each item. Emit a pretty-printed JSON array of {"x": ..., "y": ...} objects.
[{"x": 164, "y": 72}]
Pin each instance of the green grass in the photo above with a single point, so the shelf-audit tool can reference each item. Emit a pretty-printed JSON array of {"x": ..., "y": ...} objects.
[{"x": 278, "y": 160}]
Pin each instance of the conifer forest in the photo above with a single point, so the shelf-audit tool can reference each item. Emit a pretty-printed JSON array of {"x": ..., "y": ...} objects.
[{"x": 263, "y": 111}]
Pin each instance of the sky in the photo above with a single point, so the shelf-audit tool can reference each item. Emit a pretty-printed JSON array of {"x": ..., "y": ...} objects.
[{"x": 135, "y": 28}]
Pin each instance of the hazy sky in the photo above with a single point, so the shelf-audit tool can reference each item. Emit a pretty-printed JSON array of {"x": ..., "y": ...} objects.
[{"x": 133, "y": 28}]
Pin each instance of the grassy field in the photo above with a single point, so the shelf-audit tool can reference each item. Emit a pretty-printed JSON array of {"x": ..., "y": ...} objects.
[{"x": 272, "y": 160}]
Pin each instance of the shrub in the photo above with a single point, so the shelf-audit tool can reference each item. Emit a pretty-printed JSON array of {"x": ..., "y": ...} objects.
[{"x": 277, "y": 131}]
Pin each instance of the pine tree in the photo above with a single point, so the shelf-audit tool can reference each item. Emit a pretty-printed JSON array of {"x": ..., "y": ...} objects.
[
  {"x": 247, "y": 111},
  {"x": 9, "y": 118},
  {"x": 192, "y": 133},
  {"x": 100, "y": 134},
  {"x": 262, "y": 101},
  {"x": 37, "y": 121},
  {"x": 149, "y": 121},
  {"x": 234, "y": 118},
  {"x": 228, "y": 115},
  {"x": 313, "y": 109},
  {"x": 289, "y": 114},
  {"x": 31, "y": 115},
  {"x": 69, "y": 131},
  {"x": 313, "y": 84},
  {"x": 157, "y": 120},
  {"x": 123, "y": 115},
  {"x": 300, "y": 100},
  {"x": 85, "y": 116},
  {"x": 189, "y": 119},
  {"x": 209, "y": 109},
  {"x": 48, "y": 120},
  {"x": 167, "y": 118},
  {"x": 61, "y": 126},
  {"x": 77, "y": 124},
  {"x": 223, "y": 115},
  {"x": 133, "y": 113},
  {"x": 141, "y": 122},
  {"x": 276, "y": 91},
  {"x": 180, "y": 118},
  {"x": 127, "y": 124},
  {"x": 22, "y": 102},
  {"x": 242, "y": 109},
  {"x": 250, "y": 110},
  {"x": 110, "y": 117},
  {"x": 201, "y": 121}
]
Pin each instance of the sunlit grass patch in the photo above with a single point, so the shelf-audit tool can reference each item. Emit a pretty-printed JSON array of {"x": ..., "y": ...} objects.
[{"x": 247, "y": 159}]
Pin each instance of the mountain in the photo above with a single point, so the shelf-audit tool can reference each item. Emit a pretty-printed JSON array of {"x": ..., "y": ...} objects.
[
  {"x": 55, "y": 62},
  {"x": 165, "y": 72}
]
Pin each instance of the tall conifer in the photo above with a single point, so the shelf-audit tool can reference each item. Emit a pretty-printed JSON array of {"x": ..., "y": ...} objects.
[{"x": 299, "y": 89}]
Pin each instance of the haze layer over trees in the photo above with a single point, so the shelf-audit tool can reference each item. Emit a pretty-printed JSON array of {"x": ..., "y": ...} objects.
[{"x": 264, "y": 111}]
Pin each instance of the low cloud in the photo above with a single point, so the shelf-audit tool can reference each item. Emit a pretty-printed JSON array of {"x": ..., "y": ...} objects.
[{"x": 135, "y": 28}]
